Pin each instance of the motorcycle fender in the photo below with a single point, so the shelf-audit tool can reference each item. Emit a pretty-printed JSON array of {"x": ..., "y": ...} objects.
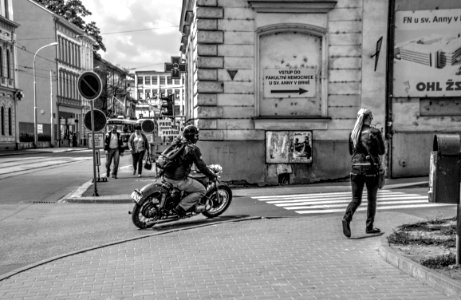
[{"x": 150, "y": 189}]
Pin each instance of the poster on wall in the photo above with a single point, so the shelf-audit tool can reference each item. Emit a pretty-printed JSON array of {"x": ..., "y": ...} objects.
[
  {"x": 427, "y": 53},
  {"x": 289, "y": 147}
]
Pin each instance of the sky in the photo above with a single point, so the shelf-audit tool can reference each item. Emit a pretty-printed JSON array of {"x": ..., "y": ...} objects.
[{"x": 138, "y": 34}]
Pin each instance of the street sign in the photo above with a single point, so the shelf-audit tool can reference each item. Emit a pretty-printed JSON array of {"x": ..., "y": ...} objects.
[
  {"x": 89, "y": 85},
  {"x": 289, "y": 83},
  {"x": 98, "y": 141},
  {"x": 99, "y": 120},
  {"x": 166, "y": 128},
  {"x": 147, "y": 125}
]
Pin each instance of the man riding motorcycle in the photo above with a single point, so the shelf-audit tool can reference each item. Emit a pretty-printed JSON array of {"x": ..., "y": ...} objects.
[{"x": 178, "y": 176}]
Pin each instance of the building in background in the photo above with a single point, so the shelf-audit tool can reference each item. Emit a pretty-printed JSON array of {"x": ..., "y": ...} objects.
[
  {"x": 9, "y": 94},
  {"x": 60, "y": 110},
  {"x": 151, "y": 86},
  {"x": 264, "y": 76},
  {"x": 116, "y": 99},
  {"x": 424, "y": 81}
]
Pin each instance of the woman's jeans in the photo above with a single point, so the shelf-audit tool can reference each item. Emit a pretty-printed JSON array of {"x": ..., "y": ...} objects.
[
  {"x": 361, "y": 176},
  {"x": 137, "y": 161}
]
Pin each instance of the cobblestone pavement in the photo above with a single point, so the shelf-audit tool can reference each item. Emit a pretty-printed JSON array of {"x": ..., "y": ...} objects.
[{"x": 290, "y": 258}]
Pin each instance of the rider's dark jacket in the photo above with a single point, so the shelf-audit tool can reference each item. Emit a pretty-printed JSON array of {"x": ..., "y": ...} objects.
[
  {"x": 191, "y": 155},
  {"x": 370, "y": 143}
]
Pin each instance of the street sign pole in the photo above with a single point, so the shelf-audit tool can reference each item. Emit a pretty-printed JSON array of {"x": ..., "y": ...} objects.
[
  {"x": 95, "y": 192},
  {"x": 90, "y": 87}
]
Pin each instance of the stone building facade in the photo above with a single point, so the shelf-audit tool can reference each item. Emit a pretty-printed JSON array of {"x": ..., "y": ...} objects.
[
  {"x": 263, "y": 74},
  {"x": 9, "y": 94},
  {"x": 60, "y": 108}
]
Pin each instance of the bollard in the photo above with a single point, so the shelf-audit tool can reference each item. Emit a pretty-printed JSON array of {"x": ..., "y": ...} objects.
[
  {"x": 444, "y": 169},
  {"x": 444, "y": 178}
]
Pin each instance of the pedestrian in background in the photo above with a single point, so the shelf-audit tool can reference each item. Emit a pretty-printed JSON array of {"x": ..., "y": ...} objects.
[
  {"x": 138, "y": 145},
  {"x": 112, "y": 147},
  {"x": 365, "y": 145}
]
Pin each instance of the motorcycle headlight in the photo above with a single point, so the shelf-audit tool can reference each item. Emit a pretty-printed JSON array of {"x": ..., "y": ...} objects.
[{"x": 216, "y": 168}]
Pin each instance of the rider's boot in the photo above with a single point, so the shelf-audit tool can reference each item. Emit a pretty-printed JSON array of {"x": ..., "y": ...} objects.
[
  {"x": 200, "y": 208},
  {"x": 179, "y": 211}
]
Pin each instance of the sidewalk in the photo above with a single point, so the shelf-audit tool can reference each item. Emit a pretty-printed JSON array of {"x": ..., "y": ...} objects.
[
  {"x": 42, "y": 150},
  {"x": 288, "y": 258}
]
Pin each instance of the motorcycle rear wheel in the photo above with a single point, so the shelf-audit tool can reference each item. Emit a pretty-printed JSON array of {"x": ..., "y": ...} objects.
[
  {"x": 145, "y": 214},
  {"x": 225, "y": 196}
]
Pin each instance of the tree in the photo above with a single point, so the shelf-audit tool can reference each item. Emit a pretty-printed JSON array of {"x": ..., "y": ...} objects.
[{"x": 74, "y": 11}]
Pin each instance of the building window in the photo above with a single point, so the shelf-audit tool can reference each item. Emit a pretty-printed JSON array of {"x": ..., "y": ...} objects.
[
  {"x": 176, "y": 81},
  {"x": 8, "y": 64},
  {"x": 162, "y": 80},
  {"x": 147, "y": 80},
  {"x": 2, "y": 72},
  {"x": 3, "y": 120},
  {"x": 154, "y": 80},
  {"x": 309, "y": 65},
  {"x": 7, "y": 12},
  {"x": 10, "y": 126},
  {"x": 168, "y": 80},
  {"x": 140, "y": 80}
]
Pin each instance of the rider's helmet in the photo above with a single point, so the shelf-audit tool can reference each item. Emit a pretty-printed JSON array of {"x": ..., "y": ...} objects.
[{"x": 190, "y": 133}]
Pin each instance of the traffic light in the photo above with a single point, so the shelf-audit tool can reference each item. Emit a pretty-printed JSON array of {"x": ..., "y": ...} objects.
[
  {"x": 167, "y": 105},
  {"x": 175, "y": 73}
]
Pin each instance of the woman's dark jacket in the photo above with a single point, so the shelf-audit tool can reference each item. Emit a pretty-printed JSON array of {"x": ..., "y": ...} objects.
[{"x": 370, "y": 143}]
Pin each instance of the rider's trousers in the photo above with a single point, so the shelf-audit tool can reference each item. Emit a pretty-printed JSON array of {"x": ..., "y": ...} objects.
[{"x": 195, "y": 189}]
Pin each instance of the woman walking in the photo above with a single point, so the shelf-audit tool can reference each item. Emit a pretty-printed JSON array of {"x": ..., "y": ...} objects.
[
  {"x": 365, "y": 145},
  {"x": 138, "y": 146}
]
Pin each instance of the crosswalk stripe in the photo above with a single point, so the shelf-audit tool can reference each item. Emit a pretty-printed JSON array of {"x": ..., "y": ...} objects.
[
  {"x": 326, "y": 195},
  {"x": 342, "y": 199},
  {"x": 321, "y": 203},
  {"x": 326, "y": 211},
  {"x": 341, "y": 203}
]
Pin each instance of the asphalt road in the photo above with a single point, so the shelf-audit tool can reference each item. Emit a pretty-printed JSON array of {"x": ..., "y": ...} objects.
[{"x": 35, "y": 227}]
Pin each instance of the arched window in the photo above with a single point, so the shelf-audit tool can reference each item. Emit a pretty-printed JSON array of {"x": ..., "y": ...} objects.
[
  {"x": 10, "y": 122},
  {"x": 3, "y": 120},
  {"x": 291, "y": 65}
]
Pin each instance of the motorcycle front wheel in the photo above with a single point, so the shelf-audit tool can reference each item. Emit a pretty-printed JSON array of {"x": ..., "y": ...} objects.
[
  {"x": 218, "y": 204},
  {"x": 145, "y": 213}
]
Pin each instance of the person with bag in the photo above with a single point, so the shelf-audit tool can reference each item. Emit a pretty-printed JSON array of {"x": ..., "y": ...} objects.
[
  {"x": 366, "y": 144},
  {"x": 113, "y": 149},
  {"x": 139, "y": 146},
  {"x": 178, "y": 171}
]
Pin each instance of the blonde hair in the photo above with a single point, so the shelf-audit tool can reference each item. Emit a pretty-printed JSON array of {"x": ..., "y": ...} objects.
[{"x": 362, "y": 113}]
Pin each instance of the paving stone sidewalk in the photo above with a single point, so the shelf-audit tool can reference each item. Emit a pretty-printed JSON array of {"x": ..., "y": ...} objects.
[{"x": 289, "y": 258}]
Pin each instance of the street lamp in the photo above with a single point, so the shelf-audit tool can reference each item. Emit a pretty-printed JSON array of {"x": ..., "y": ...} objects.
[{"x": 35, "y": 91}]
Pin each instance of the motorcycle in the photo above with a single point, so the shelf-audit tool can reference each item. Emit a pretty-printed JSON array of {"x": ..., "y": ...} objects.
[{"x": 154, "y": 203}]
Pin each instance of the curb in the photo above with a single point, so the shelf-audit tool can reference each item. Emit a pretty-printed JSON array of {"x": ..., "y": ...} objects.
[
  {"x": 81, "y": 251},
  {"x": 115, "y": 199},
  {"x": 448, "y": 286}
]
